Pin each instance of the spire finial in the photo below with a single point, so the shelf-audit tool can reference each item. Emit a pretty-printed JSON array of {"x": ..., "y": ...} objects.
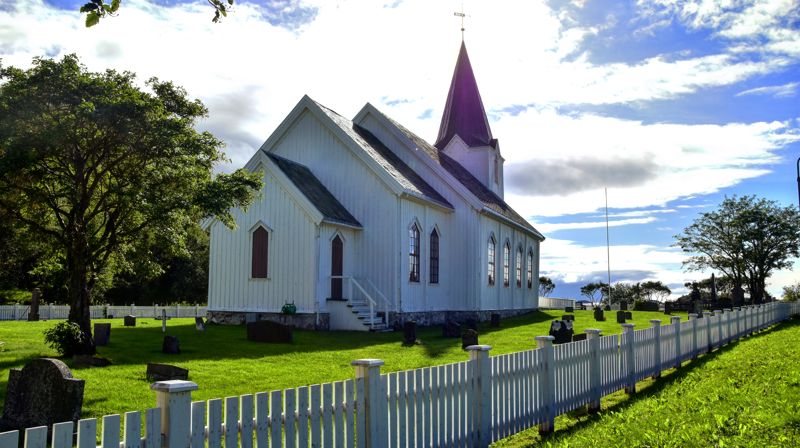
[{"x": 462, "y": 15}]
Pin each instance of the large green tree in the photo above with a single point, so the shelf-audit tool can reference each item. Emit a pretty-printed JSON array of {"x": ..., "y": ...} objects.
[
  {"x": 746, "y": 238},
  {"x": 546, "y": 286},
  {"x": 90, "y": 162}
]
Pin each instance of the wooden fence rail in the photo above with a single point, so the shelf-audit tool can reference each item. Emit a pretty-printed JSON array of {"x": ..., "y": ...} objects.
[
  {"x": 469, "y": 403},
  {"x": 51, "y": 312}
]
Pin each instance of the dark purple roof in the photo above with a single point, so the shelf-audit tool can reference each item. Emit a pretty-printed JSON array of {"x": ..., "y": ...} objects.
[{"x": 463, "y": 113}]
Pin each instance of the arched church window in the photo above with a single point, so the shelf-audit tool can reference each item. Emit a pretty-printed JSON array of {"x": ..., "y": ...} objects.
[
  {"x": 519, "y": 267},
  {"x": 434, "y": 257},
  {"x": 490, "y": 255},
  {"x": 413, "y": 253},
  {"x": 260, "y": 256},
  {"x": 530, "y": 268},
  {"x": 506, "y": 264}
]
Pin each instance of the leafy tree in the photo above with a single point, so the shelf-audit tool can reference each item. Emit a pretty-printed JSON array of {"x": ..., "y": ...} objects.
[
  {"x": 98, "y": 9},
  {"x": 546, "y": 286},
  {"x": 791, "y": 293},
  {"x": 90, "y": 163},
  {"x": 746, "y": 238},
  {"x": 590, "y": 290},
  {"x": 655, "y": 290}
]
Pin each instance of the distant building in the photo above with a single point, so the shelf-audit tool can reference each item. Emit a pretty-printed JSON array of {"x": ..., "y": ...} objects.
[{"x": 364, "y": 211}]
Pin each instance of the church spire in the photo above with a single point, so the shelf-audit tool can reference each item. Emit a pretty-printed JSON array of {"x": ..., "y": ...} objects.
[{"x": 463, "y": 113}]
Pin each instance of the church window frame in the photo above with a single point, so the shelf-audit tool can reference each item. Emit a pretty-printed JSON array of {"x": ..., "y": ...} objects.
[
  {"x": 434, "y": 256},
  {"x": 491, "y": 255},
  {"x": 530, "y": 268},
  {"x": 414, "y": 251},
  {"x": 260, "y": 244},
  {"x": 518, "y": 267},
  {"x": 506, "y": 264}
]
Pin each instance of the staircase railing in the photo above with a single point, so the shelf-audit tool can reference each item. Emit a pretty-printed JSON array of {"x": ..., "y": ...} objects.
[{"x": 373, "y": 304}]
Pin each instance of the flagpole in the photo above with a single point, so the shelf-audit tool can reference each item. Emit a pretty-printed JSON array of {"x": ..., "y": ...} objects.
[{"x": 608, "y": 249}]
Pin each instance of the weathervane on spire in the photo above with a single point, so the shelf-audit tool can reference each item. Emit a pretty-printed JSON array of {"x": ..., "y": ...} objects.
[{"x": 462, "y": 15}]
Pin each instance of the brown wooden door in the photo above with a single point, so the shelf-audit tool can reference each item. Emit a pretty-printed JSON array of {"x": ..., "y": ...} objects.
[{"x": 337, "y": 264}]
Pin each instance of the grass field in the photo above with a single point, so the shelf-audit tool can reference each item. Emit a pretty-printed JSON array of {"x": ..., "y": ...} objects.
[
  {"x": 223, "y": 363},
  {"x": 745, "y": 395}
]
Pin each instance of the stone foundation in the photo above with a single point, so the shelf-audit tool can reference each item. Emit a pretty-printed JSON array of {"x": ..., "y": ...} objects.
[
  {"x": 430, "y": 318},
  {"x": 302, "y": 321}
]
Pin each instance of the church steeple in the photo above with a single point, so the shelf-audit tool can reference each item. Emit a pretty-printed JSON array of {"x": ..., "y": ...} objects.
[
  {"x": 463, "y": 113},
  {"x": 464, "y": 133}
]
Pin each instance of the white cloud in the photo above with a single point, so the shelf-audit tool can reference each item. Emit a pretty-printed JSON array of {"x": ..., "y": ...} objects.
[
  {"x": 781, "y": 91},
  {"x": 552, "y": 227}
]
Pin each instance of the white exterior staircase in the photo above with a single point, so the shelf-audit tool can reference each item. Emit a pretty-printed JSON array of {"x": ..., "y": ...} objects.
[{"x": 361, "y": 312}]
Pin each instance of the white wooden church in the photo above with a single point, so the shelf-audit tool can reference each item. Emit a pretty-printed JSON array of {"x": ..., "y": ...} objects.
[{"x": 361, "y": 223}]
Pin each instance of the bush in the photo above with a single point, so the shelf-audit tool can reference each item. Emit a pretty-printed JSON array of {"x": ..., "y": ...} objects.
[
  {"x": 64, "y": 337},
  {"x": 289, "y": 308},
  {"x": 645, "y": 305},
  {"x": 791, "y": 293}
]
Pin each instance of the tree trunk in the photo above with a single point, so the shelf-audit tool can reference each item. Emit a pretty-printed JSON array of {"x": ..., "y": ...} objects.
[{"x": 80, "y": 293}]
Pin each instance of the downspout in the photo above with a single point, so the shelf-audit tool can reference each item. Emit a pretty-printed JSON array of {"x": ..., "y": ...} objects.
[
  {"x": 316, "y": 282},
  {"x": 398, "y": 260}
]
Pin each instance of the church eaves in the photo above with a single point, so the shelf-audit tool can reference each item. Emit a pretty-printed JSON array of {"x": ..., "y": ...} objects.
[{"x": 464, "y": 114}]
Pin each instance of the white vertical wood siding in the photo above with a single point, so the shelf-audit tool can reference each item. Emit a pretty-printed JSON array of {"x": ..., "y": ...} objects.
[
  {"x": 362, "y": 193},
  {"x": 326, "y": 236},
  {"x": 497, "y": 296},
  {"x": 292, "y": 256}
]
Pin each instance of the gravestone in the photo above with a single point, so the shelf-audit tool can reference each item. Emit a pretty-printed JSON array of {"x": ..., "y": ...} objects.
[
  {"x": 409, "y": 332},
  {"x": 607, "y": 308},
  {"x": 129, "y": 321},
  {"x": 667, "y": 307},
  {"x": 40, "y": 394},
  {"x": 579, "y": 337},
  {"x": 36, "y": 296},
  {"x": 623, "y": 305},
  {"x": 469, "y": 337},
  {"x": 561, "y": 331},
  {"x": 599, "y": 316},
  {"x": 621, "y": 317},
  {"x": 102, "y": 334},
  {"x": 165, "y": 372},
  {"x": 268, "y": 331},
  {"x": 569, "y": 309},
  {"x": 569, "y": 317},
  {"x": 451, "y": 329},
  {"x": 495, "y": 320},
  {"x": 628, "y": 315},
  {"x": 199, "y": 324},
  {"x": 737, "y": 296},
  {"x": 171, "y": 345}
]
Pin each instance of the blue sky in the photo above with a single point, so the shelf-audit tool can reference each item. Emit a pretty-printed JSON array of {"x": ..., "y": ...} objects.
[{"x": 671, "y": 104}]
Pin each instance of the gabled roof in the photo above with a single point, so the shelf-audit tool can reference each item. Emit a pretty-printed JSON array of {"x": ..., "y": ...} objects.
[
  {"x": 464, "y": 114},
  {"x": 323, "y": 200},
  {"x": 388, "y": 160},
  {"x": 488, "y": 198}
]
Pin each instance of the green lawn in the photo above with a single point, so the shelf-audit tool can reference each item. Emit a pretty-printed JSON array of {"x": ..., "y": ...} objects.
[
  {"x": 223, "y": 363},
  {"x": 745, "y": 395}
]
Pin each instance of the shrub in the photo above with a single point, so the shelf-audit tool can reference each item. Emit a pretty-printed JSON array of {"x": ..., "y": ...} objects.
[
  {"x": 645, "y": 305},
  {"x": 289, "y": 308},
  {"x": 791, "y": 293},
  {"x": 64, "y": 337}
]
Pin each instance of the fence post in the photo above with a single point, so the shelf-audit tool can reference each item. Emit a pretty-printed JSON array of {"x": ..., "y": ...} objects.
[
  {"x": 481, "y": 392},
  {"x": 548, "y": 385},
  {"x": 133, "y": 309},
  {"x": 720, "y": 341},
  {"x": 16, "y": 311},
  {"x": 50, "y": 312},
  {"x": 593, "y": 335},
  {"x": 174, "y": 398},
  {"x": 728, "y": 336},
  {"x": 707, "y": 318},
  {"x": 630, "y": 357},
  {"x": 736, "y": 318},
  {"x": 693, "y": 319},
  {"x": 656, "y": 325},
  {"x": 676, "y": 323},
  {"x": 370, "y": 417}
]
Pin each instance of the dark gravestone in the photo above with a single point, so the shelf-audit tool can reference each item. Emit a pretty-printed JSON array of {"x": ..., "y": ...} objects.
[
  {"x": 599, "y": 315},
  {"x": 451, "y": 329},
  {"x": 623, "y": 305},
  {"x": 36, "y": 296},
  {"x": 579, "y": 337},
  {"x": 171, "y": 345},
  {"x": 40, "y": 394},
  {"x": 628, "y": 315},
  {"x": 495, "y": 320},
  {"x": 569, "y": 309},
  {"x": 129, "y": 321},
  {"x": 667, "y": 307},
  {"x": 621, "y": 317},
  {"x": 409, "y": 332},
  {"x": 737, "y": 296},
  {"x": 102, "y": 334},
  {"x": 569, "y": 317},
  {"x": 165, "y": 372},
  {"x": 268, "y": 331},
  {"x": 469, "y": 337},
  {"x": 561, "y": 331},
  {"x": 607, "y": 308},
  {"x": 199, "y": 324}
]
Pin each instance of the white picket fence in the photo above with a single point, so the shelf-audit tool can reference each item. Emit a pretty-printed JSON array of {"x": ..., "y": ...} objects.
[
  {"x": 554, "y": 303},
  {"x": 469, "y": 403},
  {"x": 50, "y": 312}
]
